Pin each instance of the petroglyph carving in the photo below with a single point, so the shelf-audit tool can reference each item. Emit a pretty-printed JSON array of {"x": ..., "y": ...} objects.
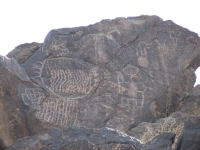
[
  {"x": 131, "y": 96},
  {"x": 63, "y": 80},
  {"x": 162, "y": 52},
  {"x": 141, "y": 52},
  {"x": 99, "y": 54},
  {"x": 33, "y": 97},
  {"x": 141, "y": 49},
  {"x": 162, "y": 49},
  {"x": 66, "y": 77},
  {"x": 58, "y": 111},
  {"x": 174, "y": 36},
  {"x": 130, "y": 70},
  {"x": 67, "y": 81}
]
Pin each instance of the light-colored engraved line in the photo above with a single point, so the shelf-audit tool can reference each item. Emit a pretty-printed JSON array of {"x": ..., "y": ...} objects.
[
  {"x": 65, "y": 113},
  {"x": 76, "y": 85},
  {"x": 162, "y": 49},
  {"x": 60, "y": 114},
  {"x": 85, "y": 81},
  {"x": 56, "y": 106},
  {"x": 78, "y": 78},
  {"x": 70, "y": 109},
  {"x": 62, "y": 111},
  {"x": 60, "y": 80},
  {"x": 54, "y": 111},
  {"x": 49, "y": 111},
  {"x": 45, "y": 111},
  {"x": 57, "y": 78},
  {"x": 73, "y": 85},
  {"x": 174, "y": 38},
  {"x": 47, "y": 117},
  {"x": 81, "y": 81},
  {"x": 63, "y": 76},
  {"x": 142, "y": 50},
  {"x": 65, "y": 85},
  {"x": 70, "y": 82}
]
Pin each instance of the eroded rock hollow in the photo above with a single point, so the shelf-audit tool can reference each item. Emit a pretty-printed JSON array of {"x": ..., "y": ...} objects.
[{"x": 126, "y": 74}]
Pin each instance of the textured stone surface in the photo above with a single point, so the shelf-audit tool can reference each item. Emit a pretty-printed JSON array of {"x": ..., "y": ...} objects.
[
  {"x": 77, "y": 138},
  {"x": 190, "y": 139},
  {"x": 22, "y": 52},
  {"x": 145, "y": 132},
  {"x": 12, "y": 111},
  {"x": 16, "y": 118},
  {"x": 191, "y": 102},
  {"x": 115, "y": 73},
  {"x": 163, "y": 141}
]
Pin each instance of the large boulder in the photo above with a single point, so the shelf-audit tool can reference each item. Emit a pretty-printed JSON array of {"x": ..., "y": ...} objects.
[
  {"x": 115, "y": 73},
  {"x": 78, "y": 138}
]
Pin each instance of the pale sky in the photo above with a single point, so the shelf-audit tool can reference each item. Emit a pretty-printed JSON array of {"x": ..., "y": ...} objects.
[{"x": 26, "y": 21}]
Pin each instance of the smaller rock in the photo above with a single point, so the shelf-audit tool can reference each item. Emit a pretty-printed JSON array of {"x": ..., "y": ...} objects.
[
  {"x": 190, "y": 139},
  {"x": 22, "y": 52},
  {"x": 191, "y": 101},
  {"x": 145, "y": 132},
  {"x": 163, "y": 141},
  {"x": 13, "y": 66}
]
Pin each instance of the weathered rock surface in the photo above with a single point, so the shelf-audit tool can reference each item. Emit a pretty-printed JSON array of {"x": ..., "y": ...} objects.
[
  {"x": 22, "y": 52},
  {"x": 145, "y": 131},
  {"x": 191, "y": 102},
  {"x": 115, "y": 73},
  {"x": 163, "y": 141},
  {"x": 77, "y": 138},
  {"x": 14, "y": 116},
  {"x": 190, "y": 139}
]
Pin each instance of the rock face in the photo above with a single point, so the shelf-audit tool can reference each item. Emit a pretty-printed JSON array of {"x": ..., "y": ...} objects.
[
  {"x": 77, "y": 138},
  {"x": 116, "y": 73}
]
